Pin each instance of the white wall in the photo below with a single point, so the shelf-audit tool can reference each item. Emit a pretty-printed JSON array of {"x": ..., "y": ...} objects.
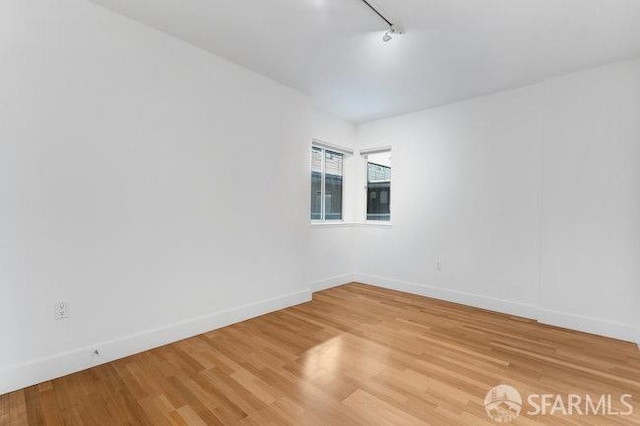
[
  {"x": 465, "y": 193},
  {"x": 590, "y": 263},
  {"x": 160, "y": 190},
  {"x": 529, "y": 198}
]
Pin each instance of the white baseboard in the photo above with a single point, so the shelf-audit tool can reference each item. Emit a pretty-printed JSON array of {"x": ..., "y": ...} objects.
[
  {"x": 331, "y": 282},
  {"x": 597, "y": 326},
  {"x": 570, "y": 321},
  {"x": 469, "y": 299},
  {"x": 41, "y": 370}
]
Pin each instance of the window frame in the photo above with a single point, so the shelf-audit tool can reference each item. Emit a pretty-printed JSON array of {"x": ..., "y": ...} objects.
[
  {"x": 364, "y": 154},
  {"x": 344, "y": 152}
]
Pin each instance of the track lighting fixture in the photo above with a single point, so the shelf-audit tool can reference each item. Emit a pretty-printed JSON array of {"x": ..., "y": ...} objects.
[
  {"x": 393, "y": 29},
  {"x": 388, "y": 36}
]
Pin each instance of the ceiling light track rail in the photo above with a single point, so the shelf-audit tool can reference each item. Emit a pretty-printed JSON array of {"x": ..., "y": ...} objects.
[{"x": 377, "y": 12}]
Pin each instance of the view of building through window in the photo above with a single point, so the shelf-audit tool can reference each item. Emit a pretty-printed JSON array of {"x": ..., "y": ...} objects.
[
  {"x": 326, "y": 184},
  {"x": 379, "y": 186}
]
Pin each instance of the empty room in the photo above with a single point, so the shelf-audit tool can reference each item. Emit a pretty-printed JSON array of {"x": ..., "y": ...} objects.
[{"x": 319, "y": 212}]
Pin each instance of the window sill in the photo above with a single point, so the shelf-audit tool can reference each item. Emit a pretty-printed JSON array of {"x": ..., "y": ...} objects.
[
  {"x": 337, "y": 224},
  {"x": 331, "y": 224},
  {"x": 375, "y": 224}
]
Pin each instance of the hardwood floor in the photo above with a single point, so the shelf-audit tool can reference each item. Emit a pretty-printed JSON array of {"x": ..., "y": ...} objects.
[{"x": 355, "y": 355}]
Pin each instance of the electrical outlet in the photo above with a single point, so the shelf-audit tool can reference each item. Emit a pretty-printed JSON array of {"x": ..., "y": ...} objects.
[
  {"x": 61, "y": 310},
  {"x": 438, "y": 265}
]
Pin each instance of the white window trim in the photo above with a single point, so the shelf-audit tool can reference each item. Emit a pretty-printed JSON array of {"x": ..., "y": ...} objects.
[
  {"x": 376, "y": 224},
  {"x": 331, "y": 147},
  {"x": 376, "y": 150},
  {"x": 331, "y": 224},
  {"x": 317, "y": 143},
  {"x": 340, "y": 224},
  {"x": 364, "y": 153}
]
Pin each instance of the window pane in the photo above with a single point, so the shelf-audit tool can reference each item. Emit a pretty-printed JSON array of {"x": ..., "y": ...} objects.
[
  {"x": 333, "y": 164},
  {"x": 316, "y": 184},
  {"x": 316, "y": 160},
  {"x": 379, "y": 187}
]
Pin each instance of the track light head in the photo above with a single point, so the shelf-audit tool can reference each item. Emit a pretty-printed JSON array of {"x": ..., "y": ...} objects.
[{"x": 388, "y": 36}]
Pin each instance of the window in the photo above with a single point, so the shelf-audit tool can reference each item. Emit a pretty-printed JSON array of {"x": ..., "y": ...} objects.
[
  {"x": 326, "y": 184},
  {"x": 379, "y": 186}
]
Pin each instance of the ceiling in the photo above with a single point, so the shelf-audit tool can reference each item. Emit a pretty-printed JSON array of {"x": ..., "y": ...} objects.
[{"x": 451, "y": 50}]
